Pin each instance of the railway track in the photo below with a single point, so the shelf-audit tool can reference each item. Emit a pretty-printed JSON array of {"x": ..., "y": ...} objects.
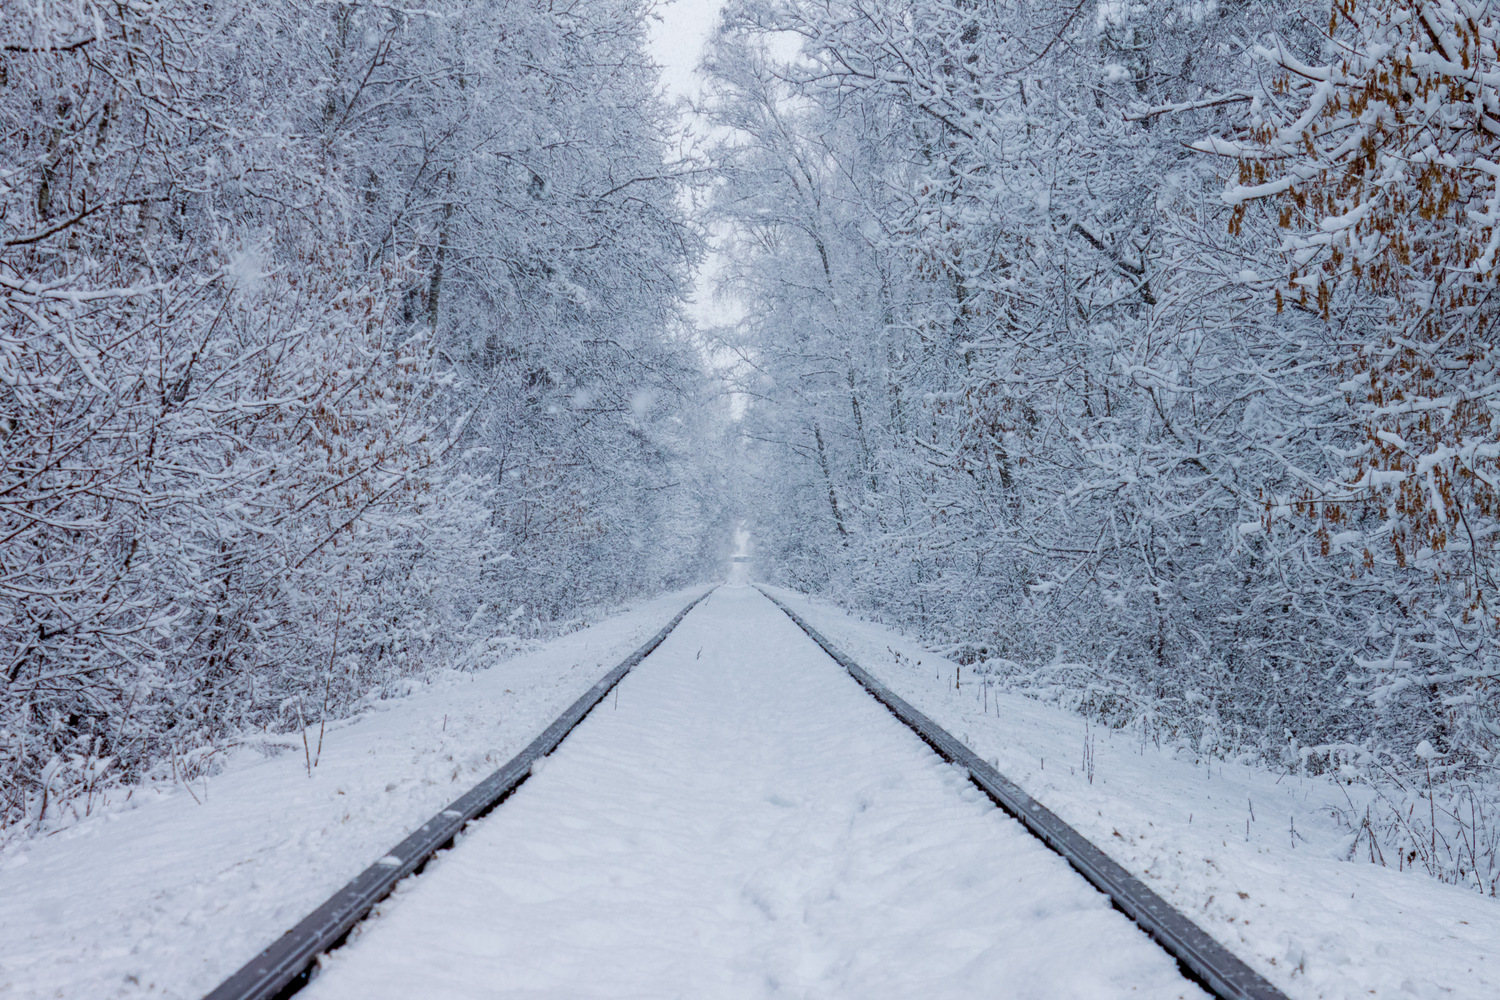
[{"x": 284, "y": 968}]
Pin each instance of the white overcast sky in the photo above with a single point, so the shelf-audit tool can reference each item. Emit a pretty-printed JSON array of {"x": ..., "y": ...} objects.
[
  {"x": 676, "y": 44},
  {"x": 677, "y": 41}
]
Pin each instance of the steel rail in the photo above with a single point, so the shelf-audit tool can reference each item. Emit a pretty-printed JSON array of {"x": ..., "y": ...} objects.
[
  {"x": 1201, "y": 958},
  {"x": 286, "y": 966}
]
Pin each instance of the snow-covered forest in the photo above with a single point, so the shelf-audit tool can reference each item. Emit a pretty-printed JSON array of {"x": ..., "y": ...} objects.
[
  {"x": 1136, "y": 353},
  {"x": 1139, "y": 352},
  {"x": 335, "y": 338}
]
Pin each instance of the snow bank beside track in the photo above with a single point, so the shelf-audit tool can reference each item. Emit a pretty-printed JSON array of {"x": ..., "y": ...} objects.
[
  {"x": 1216, "y": 840},
  {"x": 166, "y": 895}
]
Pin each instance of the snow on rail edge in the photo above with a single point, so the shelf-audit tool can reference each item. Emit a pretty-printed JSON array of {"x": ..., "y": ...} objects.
[
  {"x": 285, "y": 967},
  {"x": 1202, "y": 958}
]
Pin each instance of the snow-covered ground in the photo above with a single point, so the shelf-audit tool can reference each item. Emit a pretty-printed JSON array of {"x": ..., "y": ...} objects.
[
  {"x": 167, "y": 893},
  {"x": 746, "y": 822},
  {"x": 1214, "y": 839}
]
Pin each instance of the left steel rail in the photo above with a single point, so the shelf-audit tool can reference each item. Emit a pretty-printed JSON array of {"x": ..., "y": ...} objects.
[{"x": 287, "y": 965}]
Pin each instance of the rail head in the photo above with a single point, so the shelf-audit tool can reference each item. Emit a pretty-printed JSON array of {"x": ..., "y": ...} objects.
[
  {"x": 284, "y": 967},
  {"x": 1202, "y": 959}
]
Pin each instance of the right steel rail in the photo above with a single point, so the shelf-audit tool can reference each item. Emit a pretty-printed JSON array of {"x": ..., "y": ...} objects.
[{"x": 1203, "y": 959}]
